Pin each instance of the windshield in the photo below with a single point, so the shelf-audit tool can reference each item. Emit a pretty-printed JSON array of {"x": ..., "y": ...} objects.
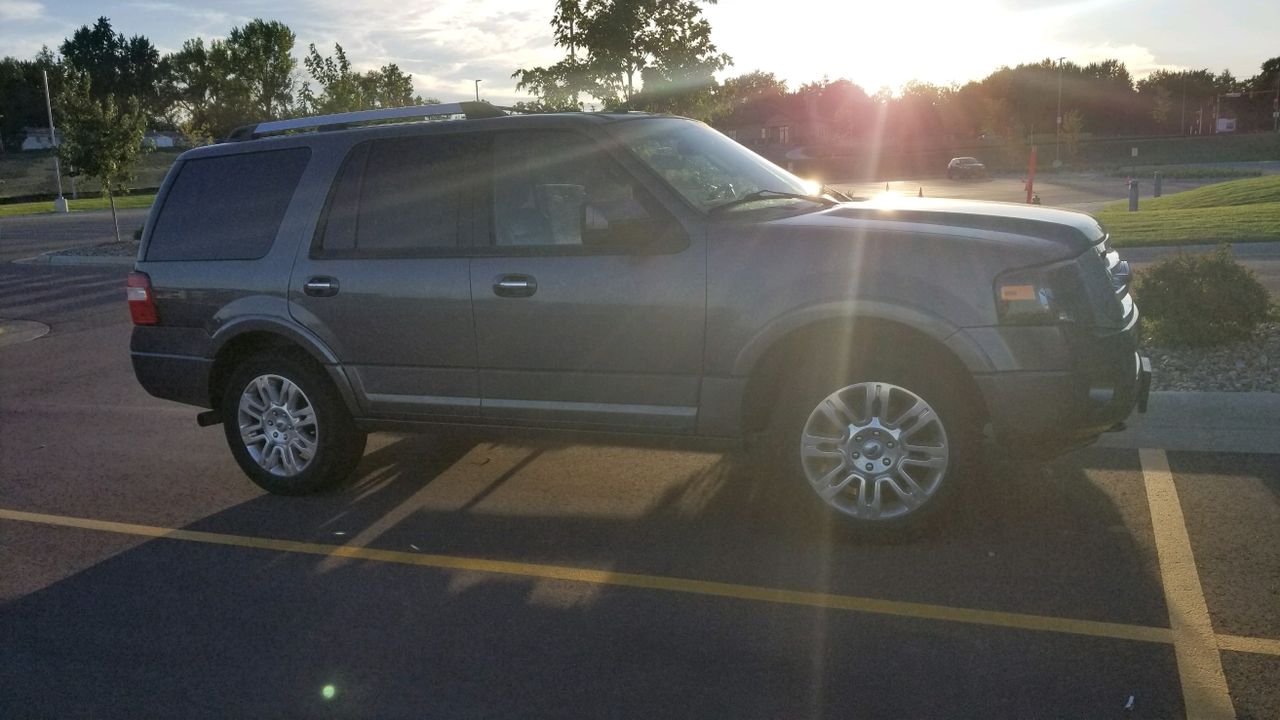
[{"x": 706, "y": 167}]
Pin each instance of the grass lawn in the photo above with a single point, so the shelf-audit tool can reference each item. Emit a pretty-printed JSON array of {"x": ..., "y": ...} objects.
[
  {"x": 1236, "y": 211},
  {"x": 46, "y": 206}
]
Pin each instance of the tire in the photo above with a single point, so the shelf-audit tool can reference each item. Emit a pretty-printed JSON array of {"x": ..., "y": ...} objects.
[
  {"x": 312, "y": 451},
  {"x": 937, "y": 449}
]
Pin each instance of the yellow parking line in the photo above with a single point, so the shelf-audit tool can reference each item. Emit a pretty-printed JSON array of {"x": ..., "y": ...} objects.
[
  {"x": 1204, "y": 684},
  {"x": 1259, "y": 646},
  {"x": 1018, "y": 621}
]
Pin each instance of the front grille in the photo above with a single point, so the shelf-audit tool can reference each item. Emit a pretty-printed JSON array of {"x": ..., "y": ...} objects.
[{"x": 1120, "y": 275}]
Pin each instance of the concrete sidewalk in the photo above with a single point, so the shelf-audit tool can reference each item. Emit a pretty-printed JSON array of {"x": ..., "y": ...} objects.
[{"x": 1204, "y": 421}]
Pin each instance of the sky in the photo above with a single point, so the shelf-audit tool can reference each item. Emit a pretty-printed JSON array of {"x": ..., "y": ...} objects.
[{"x": 447, "y": 44}]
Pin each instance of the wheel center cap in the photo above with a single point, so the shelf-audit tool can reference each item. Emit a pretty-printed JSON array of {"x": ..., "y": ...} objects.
[{"x": 872, "y": 450}]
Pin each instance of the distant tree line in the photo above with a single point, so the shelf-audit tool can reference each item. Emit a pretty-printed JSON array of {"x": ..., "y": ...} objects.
[
  {"x": 658, "y": 55},
  {"x": 654, "y": 55},
  {"x": 204, "y": 89}
]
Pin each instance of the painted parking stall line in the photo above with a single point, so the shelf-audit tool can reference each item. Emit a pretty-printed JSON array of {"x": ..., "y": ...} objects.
[
  {"x": 872, "y": 606},
  {"x": 1204, "y": 684}
]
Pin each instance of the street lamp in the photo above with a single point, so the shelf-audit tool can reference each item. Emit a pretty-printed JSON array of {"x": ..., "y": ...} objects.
[
  {"x": 59, "y": 204},
  {"x": 478, "y": 90},
  {"x": 1057, "y": 139}
]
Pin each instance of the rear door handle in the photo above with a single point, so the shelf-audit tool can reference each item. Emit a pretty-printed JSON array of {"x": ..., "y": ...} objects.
[
  {"x": 515, "y": 286},
  {"x": 322, "y": 286}
]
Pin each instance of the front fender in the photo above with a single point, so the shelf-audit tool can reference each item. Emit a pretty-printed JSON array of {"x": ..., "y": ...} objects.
[{"x": 946, "y": 334}]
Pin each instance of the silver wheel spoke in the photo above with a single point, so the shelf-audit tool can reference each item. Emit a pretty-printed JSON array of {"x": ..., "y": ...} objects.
[
  {"x": 876, "y": 402},
  {"x": 914, "y": 414},
  {"x": 816, "y": 446},
  {"x": 835, "y": 409},
  {"x": 828, "y": 490},
  {"x": 912, "y": 495},
  {"x": 869, "y": 508}
]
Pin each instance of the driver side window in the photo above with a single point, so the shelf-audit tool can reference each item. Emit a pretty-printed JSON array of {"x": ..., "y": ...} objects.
[{"x": 554, "y": 188}]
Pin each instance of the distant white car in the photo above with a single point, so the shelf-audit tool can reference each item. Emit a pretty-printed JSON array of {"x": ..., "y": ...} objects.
[{"x": 965, "y": 167}]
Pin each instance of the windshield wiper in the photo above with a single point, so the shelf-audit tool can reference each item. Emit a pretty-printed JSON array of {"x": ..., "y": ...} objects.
[{"x": 769, "y": 195}]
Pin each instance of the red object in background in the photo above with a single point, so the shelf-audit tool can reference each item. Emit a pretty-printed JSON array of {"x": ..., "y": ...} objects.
[{"x": 1031, "y": 175}]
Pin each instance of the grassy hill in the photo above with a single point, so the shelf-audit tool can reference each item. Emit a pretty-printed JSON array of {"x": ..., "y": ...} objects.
[
  {"x": 1237, "y": 211},
  {"x": 31, "y": 173}
]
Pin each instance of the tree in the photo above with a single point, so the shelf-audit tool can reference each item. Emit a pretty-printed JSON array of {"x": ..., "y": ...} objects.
[
  {"x": 343, "y": 90},
  {"x": 115, "y": 65},
  {"x": 1160, "y": 106},
  {"x": 246, "y": 78},
  {"x": 258, "y": 60},
  {"x": 22, "y": 96},
  {"x": 101, "y": 137},
  {"x": 1072, "y": 129},
  {"x": 665, "y": 44}
]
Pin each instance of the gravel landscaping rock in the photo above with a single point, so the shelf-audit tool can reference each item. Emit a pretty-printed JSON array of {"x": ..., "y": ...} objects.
[
  {"x": 1249, "y": 366},
  {"x": 128, "y": 248}
]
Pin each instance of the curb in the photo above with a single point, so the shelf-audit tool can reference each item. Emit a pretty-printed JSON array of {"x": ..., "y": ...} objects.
[
  {"x": 1245, "y": 422},
  {"x": 52, "y": 258}
]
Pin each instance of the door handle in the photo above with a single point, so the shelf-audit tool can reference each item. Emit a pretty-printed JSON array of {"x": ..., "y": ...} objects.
[
  {"x": 515, "y": 286},
  {"x": 321, "y": 286}
]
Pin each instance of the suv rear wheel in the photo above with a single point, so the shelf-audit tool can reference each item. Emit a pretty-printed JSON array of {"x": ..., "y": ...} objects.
[
  {"x": 287, "y": 427},
  {"x": 882, "y": 448}
]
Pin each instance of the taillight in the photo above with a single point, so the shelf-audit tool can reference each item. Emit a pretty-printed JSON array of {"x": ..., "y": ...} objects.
[{"x": 142, "y": 303}]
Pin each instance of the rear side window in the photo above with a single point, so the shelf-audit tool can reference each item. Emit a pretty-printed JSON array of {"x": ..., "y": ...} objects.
[
  {"x": 402, "y": 196},
  {"x": 228, "y": 207}
]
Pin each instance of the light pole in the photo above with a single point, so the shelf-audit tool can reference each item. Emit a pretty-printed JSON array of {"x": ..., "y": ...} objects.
[
  {"x": 1182, "y": 124},
  {"x": 59, "y": 205},
  {"x": 1057, "y": 138},
  {"x": 478, "y": 90}
]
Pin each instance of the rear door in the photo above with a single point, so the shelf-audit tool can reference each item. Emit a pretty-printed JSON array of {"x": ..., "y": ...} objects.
[
  {"x": 590, "y": 299},
  {"x": 386, "y": 281}
]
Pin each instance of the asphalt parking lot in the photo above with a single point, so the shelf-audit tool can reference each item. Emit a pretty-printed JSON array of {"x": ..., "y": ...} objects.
[{"x": 142, "y": 576}]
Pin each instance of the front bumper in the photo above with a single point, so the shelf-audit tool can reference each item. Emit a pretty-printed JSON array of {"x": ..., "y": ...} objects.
[{"x": 1062, "y": 387}]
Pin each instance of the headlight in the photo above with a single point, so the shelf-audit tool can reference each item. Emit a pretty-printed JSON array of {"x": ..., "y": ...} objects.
[{"x": 1041, "y": 296}]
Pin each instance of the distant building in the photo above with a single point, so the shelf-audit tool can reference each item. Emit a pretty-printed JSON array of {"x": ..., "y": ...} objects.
[
  {"x": 776, "y": 127},
  {"x": 38, "y": 139}
]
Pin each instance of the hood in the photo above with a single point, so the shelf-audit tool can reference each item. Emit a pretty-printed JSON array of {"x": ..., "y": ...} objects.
[{"x": 1074, "y": 231}]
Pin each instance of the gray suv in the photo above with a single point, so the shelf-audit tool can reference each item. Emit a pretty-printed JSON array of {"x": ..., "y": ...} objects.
[{"x": 309, "y": 281}]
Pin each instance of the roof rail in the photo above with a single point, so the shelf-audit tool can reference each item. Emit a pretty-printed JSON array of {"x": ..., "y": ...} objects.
[{"x": 469, "y": 109}]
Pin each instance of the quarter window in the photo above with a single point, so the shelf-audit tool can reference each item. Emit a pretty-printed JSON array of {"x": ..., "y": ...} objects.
[{"x": 227, "y": 207}]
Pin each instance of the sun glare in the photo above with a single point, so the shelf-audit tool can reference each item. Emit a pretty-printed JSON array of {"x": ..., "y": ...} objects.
[{"x": 888, "y": 44}]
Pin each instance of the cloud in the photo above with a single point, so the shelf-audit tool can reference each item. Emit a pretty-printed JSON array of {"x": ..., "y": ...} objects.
[{"x": 20, "y": 10}]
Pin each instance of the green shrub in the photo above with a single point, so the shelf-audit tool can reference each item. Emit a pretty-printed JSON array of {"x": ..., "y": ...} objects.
[{"x": 1198, "y": 300}]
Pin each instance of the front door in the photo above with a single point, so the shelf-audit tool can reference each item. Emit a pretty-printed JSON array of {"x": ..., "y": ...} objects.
[
  {"x": 590, "y": 299},
  {"x": 386, "y": 281}
]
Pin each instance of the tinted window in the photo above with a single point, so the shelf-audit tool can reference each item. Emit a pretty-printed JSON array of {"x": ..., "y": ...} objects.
[
  {"x": 228, "y": 207},
  {"x": 558, "y": 188},
  {"x": 399, "y": 195}
]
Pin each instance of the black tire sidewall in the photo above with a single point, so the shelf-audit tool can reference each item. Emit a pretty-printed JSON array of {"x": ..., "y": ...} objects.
[{"x": 339, "y": 445}]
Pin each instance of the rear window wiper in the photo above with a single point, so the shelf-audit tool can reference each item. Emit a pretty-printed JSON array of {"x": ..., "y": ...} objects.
[{"x": 769, "y": 195}]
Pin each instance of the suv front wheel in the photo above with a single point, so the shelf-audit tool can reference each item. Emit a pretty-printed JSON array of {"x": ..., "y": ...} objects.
[
  {"x": 884, "y": 450},
  {"x": 287, "y": 427}
]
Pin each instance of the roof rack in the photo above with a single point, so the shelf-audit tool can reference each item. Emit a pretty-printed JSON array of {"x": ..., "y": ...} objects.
[{"x": 469, "y": 109}]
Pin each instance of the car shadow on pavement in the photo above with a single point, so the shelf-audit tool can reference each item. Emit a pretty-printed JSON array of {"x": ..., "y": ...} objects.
[{"x": 177, "y": 628}]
